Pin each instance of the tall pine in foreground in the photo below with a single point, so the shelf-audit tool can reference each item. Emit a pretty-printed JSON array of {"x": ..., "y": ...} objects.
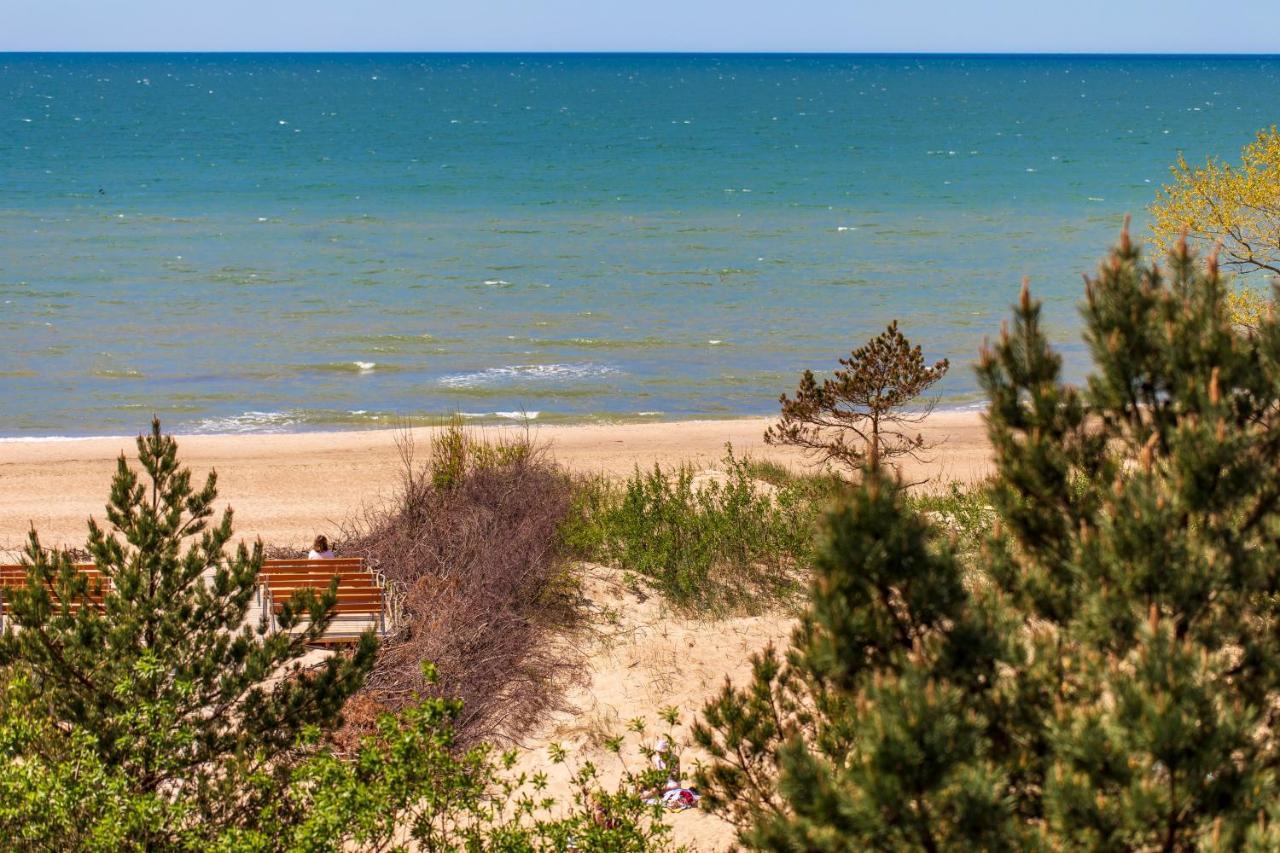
[
  {"x": 1105, "y": 672},
  {"x": 155, "y": 669}
]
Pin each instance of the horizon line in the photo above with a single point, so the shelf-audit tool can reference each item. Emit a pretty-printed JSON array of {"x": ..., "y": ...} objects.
[{"x": 630, "y": 52}]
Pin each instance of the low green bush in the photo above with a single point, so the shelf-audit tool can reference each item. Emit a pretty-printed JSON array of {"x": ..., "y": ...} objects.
[
  {"x": 408, "y": 785},
  {"x": 963, "y": 512},
  {"x": 737, "y": 542}
]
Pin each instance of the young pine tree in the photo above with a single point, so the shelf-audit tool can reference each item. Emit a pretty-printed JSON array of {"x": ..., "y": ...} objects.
[
  {"x": 155, "y": 668},
  {"x": 857, "y": 417},
  {"x": 1106, "y": 673}
]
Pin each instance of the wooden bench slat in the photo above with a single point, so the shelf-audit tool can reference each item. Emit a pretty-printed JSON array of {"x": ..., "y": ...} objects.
[
  {"x": 367, "y": 607},
  {"x": 360, "y": 591},
  {"x": 320, "y": 580},
  {"x": 279, "y": 576}
]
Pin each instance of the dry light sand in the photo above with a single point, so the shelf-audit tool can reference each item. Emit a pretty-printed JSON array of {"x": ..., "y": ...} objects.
[
  {"x": 287, "y": 488},
  {"x": 640, "y": 659}
]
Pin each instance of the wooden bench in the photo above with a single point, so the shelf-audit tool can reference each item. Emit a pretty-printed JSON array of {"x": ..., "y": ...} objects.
[
  {"x": 361, "y": 591},
  {"x": 15, "y": 577}
]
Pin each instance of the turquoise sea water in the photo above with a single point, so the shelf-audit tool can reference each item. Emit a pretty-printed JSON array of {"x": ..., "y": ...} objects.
[{"x": 282, "y": 242}]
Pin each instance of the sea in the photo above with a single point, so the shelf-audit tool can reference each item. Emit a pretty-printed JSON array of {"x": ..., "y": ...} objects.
[{"x": 267, "y": 243}]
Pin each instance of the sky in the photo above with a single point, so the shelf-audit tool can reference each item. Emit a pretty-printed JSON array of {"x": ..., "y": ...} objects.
[{"x": 1030, "y": 26}]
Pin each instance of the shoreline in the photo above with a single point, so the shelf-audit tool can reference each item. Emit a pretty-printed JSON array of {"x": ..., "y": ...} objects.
[
  {"x": 287, "y": 487},
  {"x": 427, "y": 422}
]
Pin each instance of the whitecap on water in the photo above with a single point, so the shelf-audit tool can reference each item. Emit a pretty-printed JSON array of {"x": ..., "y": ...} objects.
[
  {"x": 552, "y": 373},
  {"x": 249, "y": 422},
  {"x": 365, "y": 366}
]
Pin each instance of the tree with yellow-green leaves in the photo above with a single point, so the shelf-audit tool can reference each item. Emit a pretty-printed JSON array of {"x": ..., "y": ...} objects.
[{"x": 1236, "y": 206}]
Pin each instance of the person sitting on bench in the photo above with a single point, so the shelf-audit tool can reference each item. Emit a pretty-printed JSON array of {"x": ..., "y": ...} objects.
[{"x": 320, "y": 550}]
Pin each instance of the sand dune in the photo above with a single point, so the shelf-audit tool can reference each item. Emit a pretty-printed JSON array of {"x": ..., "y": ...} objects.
[{"x": 639, "y": 659}]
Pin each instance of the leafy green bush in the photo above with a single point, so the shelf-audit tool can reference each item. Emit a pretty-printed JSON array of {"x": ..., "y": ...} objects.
[
  {"x": 731, "y": 543},
  {"x": 57, "y": 794},
  {"x": 411, "y": 780},
  {"x": 408, "y": 782}
]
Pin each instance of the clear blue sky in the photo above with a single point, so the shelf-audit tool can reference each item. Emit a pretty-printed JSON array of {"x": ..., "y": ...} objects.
[{"x": 1226, "y": 26}]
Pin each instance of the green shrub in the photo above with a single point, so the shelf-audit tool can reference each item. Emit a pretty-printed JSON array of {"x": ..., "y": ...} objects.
[
  {"x": 409, "y": 781},
  {"x": 457, "y": 451},
  {"x": 963, "y": 512},
  {"x": 725, "y": 544},
  {"x": 57, "y": 794}
]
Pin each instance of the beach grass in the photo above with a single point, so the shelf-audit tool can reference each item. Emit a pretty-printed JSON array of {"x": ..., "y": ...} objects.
[{"x": 736, "y": 539}]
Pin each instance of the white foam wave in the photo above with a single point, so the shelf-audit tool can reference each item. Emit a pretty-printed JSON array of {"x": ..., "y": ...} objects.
[
  {"x": 556, "y": 373},
  {"x": 514, "y": 416},
  {"x": 365, "y": 366},
  {"x": 249, "y": 422}
]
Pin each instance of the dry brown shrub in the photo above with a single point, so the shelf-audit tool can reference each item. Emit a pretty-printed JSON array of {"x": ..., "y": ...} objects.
[{"x": 471, "y": 550}]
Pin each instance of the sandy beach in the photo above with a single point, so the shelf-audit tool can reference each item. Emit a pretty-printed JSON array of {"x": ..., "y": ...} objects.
[
  {"x": 642, "y": 658},
  {"x": 285, "y": 488}
]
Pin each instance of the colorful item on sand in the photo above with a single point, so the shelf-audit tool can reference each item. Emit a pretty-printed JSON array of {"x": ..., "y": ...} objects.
[{"x": 679, "y": 799}]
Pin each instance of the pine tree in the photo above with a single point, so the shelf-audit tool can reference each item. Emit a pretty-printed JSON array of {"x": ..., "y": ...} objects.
[
  {"x": 864, "y": 400},
  {"x": 1106, "y": 673},
  {"x": 156, "y": 664},
  {"x": 873, "y": 732}
]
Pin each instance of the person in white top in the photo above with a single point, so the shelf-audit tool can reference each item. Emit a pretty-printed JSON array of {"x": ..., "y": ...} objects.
[{"x": 320, "y": 550}]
